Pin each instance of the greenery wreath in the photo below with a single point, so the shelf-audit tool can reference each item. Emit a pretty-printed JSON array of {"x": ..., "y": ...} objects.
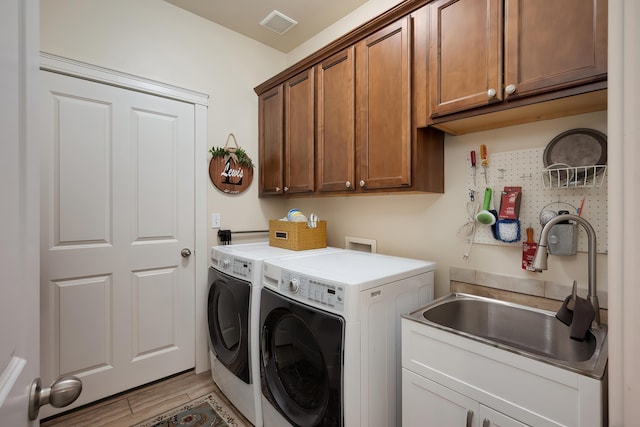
[{"x": 237, "y": 154}]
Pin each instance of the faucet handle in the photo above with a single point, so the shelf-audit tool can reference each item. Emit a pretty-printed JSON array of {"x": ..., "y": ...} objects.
[{"x": 572, "y": 302}]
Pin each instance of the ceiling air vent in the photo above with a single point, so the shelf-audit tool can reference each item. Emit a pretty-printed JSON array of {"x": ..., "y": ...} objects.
[{"x": 278, "y": 22}]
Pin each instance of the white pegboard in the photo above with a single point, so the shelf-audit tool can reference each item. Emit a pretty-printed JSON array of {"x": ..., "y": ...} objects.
[{"x": 523, "y": 169}]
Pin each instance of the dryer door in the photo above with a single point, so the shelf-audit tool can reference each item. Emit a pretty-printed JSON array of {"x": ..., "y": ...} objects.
[
  {"x": 228, "y": 313},
  {"x": 301, "y": 361}
]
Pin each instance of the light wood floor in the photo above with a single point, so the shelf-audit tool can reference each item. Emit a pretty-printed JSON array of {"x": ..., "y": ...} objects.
[{"x": 143, "y": 403}]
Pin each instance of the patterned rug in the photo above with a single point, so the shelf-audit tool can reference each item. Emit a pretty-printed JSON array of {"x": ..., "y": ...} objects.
[{"x": 203, "y": 412}]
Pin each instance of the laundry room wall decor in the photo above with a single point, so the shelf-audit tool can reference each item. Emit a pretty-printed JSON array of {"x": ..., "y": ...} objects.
[{"x": 230, "y": 168}]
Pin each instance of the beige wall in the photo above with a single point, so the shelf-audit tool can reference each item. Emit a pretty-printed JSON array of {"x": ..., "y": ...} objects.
[
  {"x": 156, "y": 40},
  {"x": 425, "y": 226}
]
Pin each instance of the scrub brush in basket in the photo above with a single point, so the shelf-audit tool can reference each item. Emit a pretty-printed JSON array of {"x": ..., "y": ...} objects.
[
  {"x": 508, "y": 224},
  {"x": 508, "y": 230}
]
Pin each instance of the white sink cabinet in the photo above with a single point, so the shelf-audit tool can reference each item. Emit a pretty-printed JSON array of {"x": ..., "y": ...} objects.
[{"x": 451, "y": 380}]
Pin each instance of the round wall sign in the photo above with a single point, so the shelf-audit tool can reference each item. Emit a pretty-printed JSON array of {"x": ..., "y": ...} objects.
[{"x": 230, "y": 169}]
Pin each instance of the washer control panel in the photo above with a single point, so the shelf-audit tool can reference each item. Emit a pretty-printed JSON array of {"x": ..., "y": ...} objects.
[
  {"x": 239, "y": 267},
  {"x": 310, "y": 289}
]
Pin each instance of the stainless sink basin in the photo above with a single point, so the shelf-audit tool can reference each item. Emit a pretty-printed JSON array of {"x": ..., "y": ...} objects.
[{"x": 517, "y": 328}]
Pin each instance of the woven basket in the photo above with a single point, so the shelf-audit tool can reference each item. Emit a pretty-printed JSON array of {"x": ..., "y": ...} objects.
[{"x": 296, "y": 235}]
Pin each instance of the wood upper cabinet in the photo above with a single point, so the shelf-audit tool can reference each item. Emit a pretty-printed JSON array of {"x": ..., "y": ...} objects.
[
  {"x": 344, "y": 124},
  {"x": 286, "y": 139},
  {"x": 299, "y": 133},
  {"x": 336, "y": 122},
  {"x": 554, "y": 44},
  {"x": 383, "y": 103},
  {"x": 465, "y": 54},
  {"x": 271, "y": 142},
  {"x": 547, "y": 44}
]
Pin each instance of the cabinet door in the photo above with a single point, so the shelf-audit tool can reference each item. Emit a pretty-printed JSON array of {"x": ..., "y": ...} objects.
[
  {"x": 383, "y": 105},
  {"x": 465, "y": 54},
  {"x": 492, "y": 418},
  {"x": 270, "y": 142},
  {"x": 552, "y": 44},
  {"x": 336, "y": 122},
  {"x": 427, "y": 403},
  {"x": 299, "y": 145}
]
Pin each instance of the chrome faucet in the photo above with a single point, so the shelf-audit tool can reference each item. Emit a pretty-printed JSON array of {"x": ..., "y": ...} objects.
[{"x": 540, "y": 259}]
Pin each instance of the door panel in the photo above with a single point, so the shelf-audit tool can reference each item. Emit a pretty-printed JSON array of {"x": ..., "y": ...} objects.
[
  {"x": 493, "y": 418},
  {"x": 384, "y": 101},
  {"x": 539, "y": 60},
  {"x": 271, "y": 141},
  {"x": 117, "y": 208},
  {"x": 336, "y": 122},
  {"x": 84, "y": 172},
  {"x": 465, "y": 54},
  {"x": 83, "y": 345},
  {"x": 155, "y": 165},
  {"x": 423, "y": 399},
  {"x": 152, "y": 328},
  {"x": 299, "y": 135}
]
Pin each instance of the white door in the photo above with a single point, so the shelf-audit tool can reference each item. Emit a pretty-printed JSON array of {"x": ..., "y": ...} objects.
[
  {"x": 19, "y": 353},
  {"x": 117, "y": 210}
]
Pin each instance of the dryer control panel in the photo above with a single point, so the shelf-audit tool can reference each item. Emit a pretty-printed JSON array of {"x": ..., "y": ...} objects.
[
  {"x": 310, "y": 289},
  {"x": 239, "y": 267}
]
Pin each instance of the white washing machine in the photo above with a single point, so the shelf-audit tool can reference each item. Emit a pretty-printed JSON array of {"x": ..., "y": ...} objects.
[
  {"x": 330, "y": 337},
  {"x": 233, "y": 309}
]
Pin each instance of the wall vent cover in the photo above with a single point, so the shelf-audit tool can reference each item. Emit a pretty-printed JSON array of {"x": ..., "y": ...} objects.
[{"x": 278, "y": 22}]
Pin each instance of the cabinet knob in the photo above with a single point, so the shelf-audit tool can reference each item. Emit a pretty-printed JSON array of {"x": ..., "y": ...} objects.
[
  {"x": 486, "y": 422},
  {"x": 510, "y": 89},
  {"x": 286, "y": 189},
  {"x": 491, "y": 93},
  {"x": 348, "y": 184},
  {"x": 277, "y": 189},
  {"x": 362, "y": 183}
]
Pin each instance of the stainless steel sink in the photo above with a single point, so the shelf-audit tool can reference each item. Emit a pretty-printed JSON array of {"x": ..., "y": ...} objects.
[{"x": 517, "y": 328}]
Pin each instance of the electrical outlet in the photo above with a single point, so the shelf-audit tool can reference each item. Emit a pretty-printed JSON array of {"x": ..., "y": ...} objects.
[{"x": 215, "y": 220}]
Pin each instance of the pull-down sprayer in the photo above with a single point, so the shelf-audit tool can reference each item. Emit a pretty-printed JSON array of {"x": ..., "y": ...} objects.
[{"x": 540, "y": 259}]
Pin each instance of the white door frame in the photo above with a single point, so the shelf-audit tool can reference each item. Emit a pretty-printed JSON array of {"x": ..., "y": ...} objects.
[
  {"x": 624, "y": 202},
  {"x": 70, "y": 67}
]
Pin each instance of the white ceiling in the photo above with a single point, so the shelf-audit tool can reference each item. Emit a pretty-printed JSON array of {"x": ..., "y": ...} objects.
[{"x": 244, "y": 16}]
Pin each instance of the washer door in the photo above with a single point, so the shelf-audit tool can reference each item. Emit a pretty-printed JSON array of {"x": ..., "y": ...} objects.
[
  {"x": 228, "y": 313},
  {"x": 301, "y": 361}
]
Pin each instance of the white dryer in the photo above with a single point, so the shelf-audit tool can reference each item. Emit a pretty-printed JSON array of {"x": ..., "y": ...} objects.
[
  {"x": 233, "y": 309},
  {"x": 330, "y": 337}
]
